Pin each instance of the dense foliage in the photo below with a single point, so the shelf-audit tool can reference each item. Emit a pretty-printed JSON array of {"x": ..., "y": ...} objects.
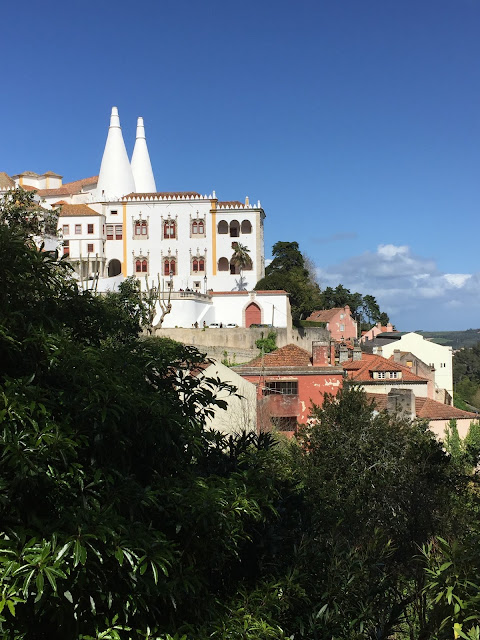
[
  {"x": 122, "y": 517},
  {"x": 466, "y": 375}
]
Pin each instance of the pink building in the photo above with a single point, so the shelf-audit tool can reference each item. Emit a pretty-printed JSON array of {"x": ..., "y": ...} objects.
[
  {"x": 338, "y": 321},
  {"x": 375, "y": 331}
]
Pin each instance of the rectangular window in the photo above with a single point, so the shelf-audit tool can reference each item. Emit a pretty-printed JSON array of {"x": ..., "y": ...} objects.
[
  {"x": 89, "y": 228},
  {"x": 89, "y": 248},
  {"x": 66, "y": 248},
  {"x": 114, "y": 212},
  {"x": 109, "y": 231},
  {"x": 118, "y": 232},
  {"x": 381, "y": 374},
  {"x": 394, "y": 374},
  {"x": 342, "y": 327},
  {"x": 287, "y": 388},
  {"x": 65, "y": 229},
  {"x": 78, "y": 229}
]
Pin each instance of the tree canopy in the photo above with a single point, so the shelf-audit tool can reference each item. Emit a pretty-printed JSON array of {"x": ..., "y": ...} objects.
[
  {"x": 122, "y": 517},
  {"x": 292, "y": 272}
]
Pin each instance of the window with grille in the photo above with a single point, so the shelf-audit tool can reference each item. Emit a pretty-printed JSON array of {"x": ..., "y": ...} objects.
[
  {"x": 78, "y": 229},
  {"x": 285, "y": 388},
  {"x": 89, "y": 248},
  {"x": 381, "y": 374},
  {"x": 66, "y": 229},
  {"x": 109, "y": 231},
  {"x": 89, "y": 228},
  {"x": 118, "y": 232},
  {"x": 114, "y": 212}
]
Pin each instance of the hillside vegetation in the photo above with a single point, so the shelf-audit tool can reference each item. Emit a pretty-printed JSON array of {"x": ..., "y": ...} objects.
[
  {"x": 455, "y": 339},
  {"x": 123, "y": 518}
]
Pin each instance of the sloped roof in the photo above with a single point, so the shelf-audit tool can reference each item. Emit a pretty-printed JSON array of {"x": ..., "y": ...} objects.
[
  {"x": 288, "y": 356},
  {"x": 69, "y": 210},
  {"x": 325, "y": 315},
  {"x": 427, "y": 408},
  {"x": 361, "y": 370},
  {"x": 6, "y": 182},
  {"x": 69, "y": 188}
]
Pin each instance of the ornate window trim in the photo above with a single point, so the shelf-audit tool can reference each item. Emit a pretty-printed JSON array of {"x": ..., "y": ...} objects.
[
  {"x": 140, "y": 227},
  {"x": 198, "y": 226},
  {"x": 198, "y": 263},
  {"x": 167, "y": 223},
  {"x": 141, "y": 263}
]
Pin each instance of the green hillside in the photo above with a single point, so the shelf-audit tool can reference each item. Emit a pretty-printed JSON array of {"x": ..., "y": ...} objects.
[{"x": 455, "y": 339}]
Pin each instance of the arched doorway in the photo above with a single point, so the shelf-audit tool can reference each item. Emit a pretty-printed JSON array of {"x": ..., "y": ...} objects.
[
  {"x": 253, "y": 314},
  {"x": 114, "y": 268}
]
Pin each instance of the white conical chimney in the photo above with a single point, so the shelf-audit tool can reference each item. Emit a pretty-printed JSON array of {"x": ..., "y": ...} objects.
[
  {"x": 141, "y": 165},
  {"x": 116, "y": 177}
]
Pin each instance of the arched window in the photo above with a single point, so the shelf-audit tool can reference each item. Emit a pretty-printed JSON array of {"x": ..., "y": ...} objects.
[
  {"x": 141, "y": 228},
  {"x": 222, "y": 226},
  {"x": 246, "y": 226},
  {"x": 234, "y": 229},
  {"x": 169, "y": 230},
  {"x": 198, "y": 227},
  {"x": 141, "y": 265},
  {"x": 169, "y": 266},
  {"x": 198, "y": 264},
  {"x": 223, "y": 264}
]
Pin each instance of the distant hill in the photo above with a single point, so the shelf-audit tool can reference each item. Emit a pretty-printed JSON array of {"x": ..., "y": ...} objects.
[{"x": 455, "y": 339}]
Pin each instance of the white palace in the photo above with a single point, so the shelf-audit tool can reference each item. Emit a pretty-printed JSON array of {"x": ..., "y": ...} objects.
[{"x": 117, "y": 224}]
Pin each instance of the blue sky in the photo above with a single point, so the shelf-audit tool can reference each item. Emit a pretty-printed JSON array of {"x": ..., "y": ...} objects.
[{"x": 355, "y": 123}]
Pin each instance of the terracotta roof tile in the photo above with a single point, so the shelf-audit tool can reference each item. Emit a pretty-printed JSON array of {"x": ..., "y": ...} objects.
[
  {"x": 426, "y": 408},
  {"x": 28, "y": 187},
  {"x": 68, "y": 210},
  {"x": 69, "y": 188},
  {"x": 361, "y": 370},
  {"x": 325, "y": 315},
  {"x": 288, "y": 356}
]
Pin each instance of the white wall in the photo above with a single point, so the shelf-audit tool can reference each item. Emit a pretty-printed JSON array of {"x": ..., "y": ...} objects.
[{"x": 430, "y": 353}]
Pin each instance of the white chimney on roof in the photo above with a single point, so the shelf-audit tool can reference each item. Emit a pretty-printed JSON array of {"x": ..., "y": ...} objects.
[
  {"x": 116, "y": 177},
  {"x": 141, "y": 165}
]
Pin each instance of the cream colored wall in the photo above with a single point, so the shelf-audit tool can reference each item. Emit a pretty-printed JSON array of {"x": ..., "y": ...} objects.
[
  {"x": 241, "y": 413},
  {"x": 438, "y": 427}
]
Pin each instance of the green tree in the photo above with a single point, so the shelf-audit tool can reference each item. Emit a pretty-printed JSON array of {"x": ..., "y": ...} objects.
[{"x": 287, "y": 271}]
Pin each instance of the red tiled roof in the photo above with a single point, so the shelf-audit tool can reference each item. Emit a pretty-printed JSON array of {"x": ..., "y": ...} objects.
[
  {"x": 427, "y": 408},
  {"x": 69, "y": 188},
  {"x": 68, "y": 210},
  {"x": 163, "y": 194},
  {"x": 59, "y": 203},
  {"x": 361, "y": 370},
  {"x": 28, "y": 187},
  {"x": 325, "y": 315},
  {"x": 288, "y": 356}
]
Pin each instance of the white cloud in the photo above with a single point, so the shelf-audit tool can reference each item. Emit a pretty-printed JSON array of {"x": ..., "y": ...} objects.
[{"x": 410, "y": 288}]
